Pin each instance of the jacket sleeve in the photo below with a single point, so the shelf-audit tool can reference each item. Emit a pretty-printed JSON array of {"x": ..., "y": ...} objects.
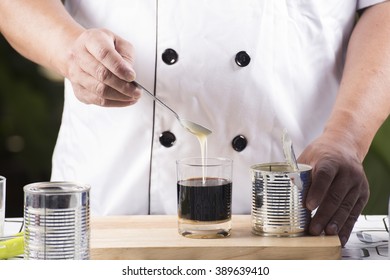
[{"x": 362, "y": 4}]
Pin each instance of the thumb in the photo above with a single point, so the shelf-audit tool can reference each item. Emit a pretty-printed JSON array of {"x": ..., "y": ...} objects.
[{"x": 126, "y": 50}]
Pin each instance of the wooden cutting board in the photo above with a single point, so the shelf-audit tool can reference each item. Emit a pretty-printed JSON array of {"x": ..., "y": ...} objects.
[{"x": 156, "y": 237}]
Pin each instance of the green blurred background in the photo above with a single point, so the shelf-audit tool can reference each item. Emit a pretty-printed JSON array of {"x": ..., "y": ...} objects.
[{"x": 30, "y": 114}]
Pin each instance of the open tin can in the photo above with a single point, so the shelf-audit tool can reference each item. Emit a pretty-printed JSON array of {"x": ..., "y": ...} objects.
[
  {"x": 277, "y": 199},
  {"x": 56, "y": 217}
]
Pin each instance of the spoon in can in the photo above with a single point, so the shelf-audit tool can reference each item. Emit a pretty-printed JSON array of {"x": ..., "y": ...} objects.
[
  {"x": 288, "y": 150},
  {"x": 192, "y": 127}
]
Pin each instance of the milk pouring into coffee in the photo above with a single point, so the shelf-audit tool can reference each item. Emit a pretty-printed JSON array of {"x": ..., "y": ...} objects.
[
  {"x": 204, "y": 191},
  {"x": 202, "y": 138}
]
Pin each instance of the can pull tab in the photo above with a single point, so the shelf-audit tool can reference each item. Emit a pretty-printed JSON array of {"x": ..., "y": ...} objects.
[{"x": 288, "y": 151}]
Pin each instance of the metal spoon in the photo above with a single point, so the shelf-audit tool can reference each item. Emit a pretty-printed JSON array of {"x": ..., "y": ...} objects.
[
  {"x": 192, "y": 127},
  {"x": 288, "y": 150}
]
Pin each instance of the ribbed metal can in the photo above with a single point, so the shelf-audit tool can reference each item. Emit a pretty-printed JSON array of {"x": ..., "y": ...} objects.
[
  {"x": 56, "y": 217},
  {"x": 277, "y": 199}
]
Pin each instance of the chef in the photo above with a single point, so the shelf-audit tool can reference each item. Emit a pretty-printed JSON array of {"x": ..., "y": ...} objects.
[{"x": 246, "y": 69}]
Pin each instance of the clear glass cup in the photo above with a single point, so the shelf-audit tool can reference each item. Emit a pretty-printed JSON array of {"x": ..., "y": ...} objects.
[
  {"x": 204, "y": 195},
  {"x": 2, "y": 204}
]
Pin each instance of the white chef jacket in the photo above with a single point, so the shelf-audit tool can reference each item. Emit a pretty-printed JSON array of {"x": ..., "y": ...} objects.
[{"x": 295, "y": 51}]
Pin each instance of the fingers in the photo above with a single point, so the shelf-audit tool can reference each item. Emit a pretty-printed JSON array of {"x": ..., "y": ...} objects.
[
  {"x": 103, "y": 83},
  {"x": 105, "y": 52},
  {"x": 334, "y": 210},
  {"x": 323, "y": 175},
  {"x": 346, "y": 230},
  {"x": 125, "y": 49},
  {"x": 342, "y": 203},
  {"x": 100, "y": 69},
  {"x": 339, "y": 188},
  {"x": 102, "y": 96},
  {"x": 330, "y": 201}
]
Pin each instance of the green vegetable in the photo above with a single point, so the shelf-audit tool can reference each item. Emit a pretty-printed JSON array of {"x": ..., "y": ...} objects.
[{"x": 12, "y": 247}]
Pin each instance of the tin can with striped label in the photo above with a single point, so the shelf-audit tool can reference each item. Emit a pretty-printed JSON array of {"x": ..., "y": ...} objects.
[
  {"x": 56, "y": 217},
  {"x": 277, "y": 199}
]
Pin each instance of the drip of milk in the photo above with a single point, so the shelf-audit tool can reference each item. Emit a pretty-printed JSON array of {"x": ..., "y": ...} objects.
[
  {"x": 201, "y": 133},
  {"x": 202, "y": 138}
]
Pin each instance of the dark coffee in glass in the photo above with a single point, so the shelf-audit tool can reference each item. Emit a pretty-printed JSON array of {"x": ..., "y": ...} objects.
[{"x": 204, "y": 202}]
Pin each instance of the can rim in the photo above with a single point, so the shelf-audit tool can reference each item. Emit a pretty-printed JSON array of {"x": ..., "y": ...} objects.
[
  {"x": 208, "y": 161},
  {"x": 56, "y": 187},
  {"x": 279, "y": 167}
]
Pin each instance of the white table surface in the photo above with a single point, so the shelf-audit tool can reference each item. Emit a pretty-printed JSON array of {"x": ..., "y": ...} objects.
[{"x": 369, "y": 239}]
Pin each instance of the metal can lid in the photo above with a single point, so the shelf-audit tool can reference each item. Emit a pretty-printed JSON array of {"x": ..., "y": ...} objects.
[
  {"x": 279, "y": 167},
  {"x": 56, "y": 187}
]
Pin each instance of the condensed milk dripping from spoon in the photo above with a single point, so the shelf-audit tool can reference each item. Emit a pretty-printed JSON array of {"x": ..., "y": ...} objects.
[
  {"x": 192, "y": 127},
  {"x": 198, "y": 130},
  {"x": 201, "y": 134}
]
